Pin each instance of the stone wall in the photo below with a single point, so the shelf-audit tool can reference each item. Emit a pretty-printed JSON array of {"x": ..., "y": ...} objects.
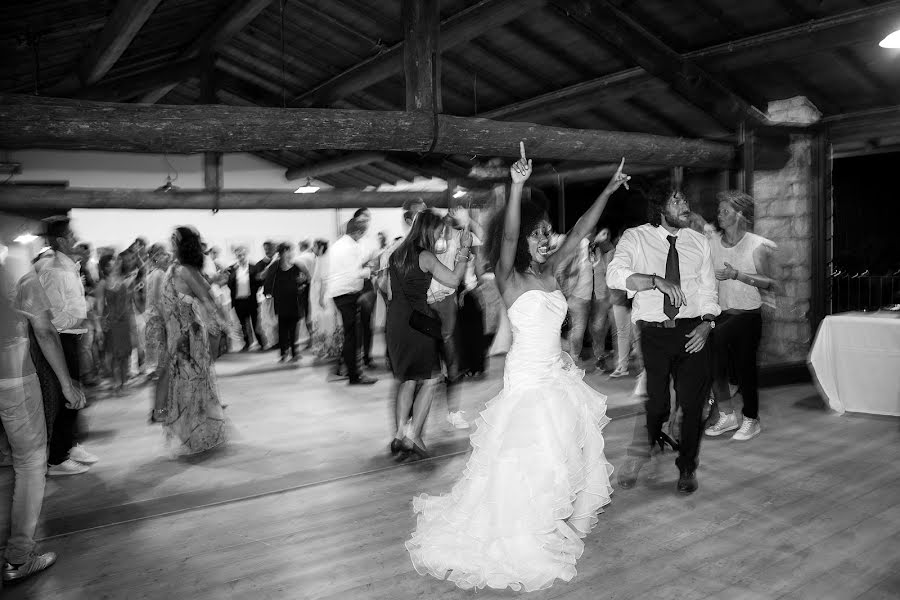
[{"x": 784, "y": 205}]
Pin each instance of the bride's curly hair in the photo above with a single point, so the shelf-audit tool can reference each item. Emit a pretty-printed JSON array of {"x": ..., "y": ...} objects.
[
  {"x": 532, "y": 213},
  {"x": 188, "y": 247}
]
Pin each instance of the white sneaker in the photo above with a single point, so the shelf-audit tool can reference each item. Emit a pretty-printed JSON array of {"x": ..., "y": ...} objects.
[
  {"x": 79, "y": 454},
  {"x": 726, "y": 422},
  {"x": 618, "y": 373},
  {"x": 750, "y": 428},
  {"x": 456, "y": 419},
  {"x": 36, "y": 563},
  {"x": 640, "y": 388},
  {"x": 67, "y": 467}
]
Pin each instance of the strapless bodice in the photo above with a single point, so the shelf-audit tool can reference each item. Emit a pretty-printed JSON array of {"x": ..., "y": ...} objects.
[{"x": 536, "y": 317}]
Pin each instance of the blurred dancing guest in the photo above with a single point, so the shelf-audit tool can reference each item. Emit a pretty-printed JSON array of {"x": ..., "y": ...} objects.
[
  {"x": 537, "y": 476},
  {"x": 577, "y": 284},
  {"x": 23, "y": 302},
  {"x": 159, "y": 263},
  {"x": 306, "y": 260},
  {"x": 187, "y": 398},
  {"x": 243, "y": 284},
  {"x": 667, "y": 268},
  {"x": 60, "y": 278},
  {"x": 344, "y": 271},
  {"x": 327, "y": 333},
  {"x": 743, "y": 266},
  {"x": 285, "y": 281},
  {"x": 116, "y": 297},
  {"x": 267, "y": 322},
  {"x": 413, "y": 330},
  {"x": 443, "y": 300},
  {"x": 601, "y": 252}
]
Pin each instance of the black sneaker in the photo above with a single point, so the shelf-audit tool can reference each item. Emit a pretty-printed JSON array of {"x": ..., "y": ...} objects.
[{"x": 362, "y": 380}]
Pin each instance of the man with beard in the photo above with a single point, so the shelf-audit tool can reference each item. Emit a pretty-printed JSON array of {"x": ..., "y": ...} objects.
[{"x": 667, "y": 268}]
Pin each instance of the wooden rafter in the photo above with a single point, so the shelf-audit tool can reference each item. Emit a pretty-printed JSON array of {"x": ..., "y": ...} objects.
[
  {"x": 655, "y": 57},
  {"x": 830, "y": 31},
  {"x": 458, "y": 29},
  {"x": 239, "y": 14},
  {"x": 123, "y": 24}
]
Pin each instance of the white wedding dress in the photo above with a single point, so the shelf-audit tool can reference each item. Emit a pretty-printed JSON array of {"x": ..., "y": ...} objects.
[{"x": 537, "y": 475}]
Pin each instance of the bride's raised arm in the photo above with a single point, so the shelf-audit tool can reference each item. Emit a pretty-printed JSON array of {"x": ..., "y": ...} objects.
[
  {"x": 520, "y": 171},
  {"x": 588, "y": 220}
]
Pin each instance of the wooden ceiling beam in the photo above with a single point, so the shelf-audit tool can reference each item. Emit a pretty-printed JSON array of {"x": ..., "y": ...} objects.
[
  {"x": 458, "y": 29},
  {"x": 229, "y": 23},
  {"x": 125, "y": 88},
  {"x": 655, "y": 57},
  {"x": 54, "y": 198},
  {"x": 56, "y": 123},
  {"x": 123, "y": 24},
  {"x": 830, "y": 31}
]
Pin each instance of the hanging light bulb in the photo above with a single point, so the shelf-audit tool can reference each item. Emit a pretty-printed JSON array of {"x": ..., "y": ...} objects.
[
  {"x": 167, "y": 186},
  {"x": 891, "y": 41},
  {"x": 309, "y": 188}
]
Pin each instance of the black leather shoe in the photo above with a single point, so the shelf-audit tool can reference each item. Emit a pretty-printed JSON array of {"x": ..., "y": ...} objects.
[
  {"x": 628, "y": 474},
  {"x": 687, "y": 481},
  {"x": 362, "y": 380}
]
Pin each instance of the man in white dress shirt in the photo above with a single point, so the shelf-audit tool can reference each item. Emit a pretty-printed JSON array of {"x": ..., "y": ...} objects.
[
  {"x": 344, "y": 271},
  {"x": 667, "y": 268},
  {"x": 59, "y": 276}
]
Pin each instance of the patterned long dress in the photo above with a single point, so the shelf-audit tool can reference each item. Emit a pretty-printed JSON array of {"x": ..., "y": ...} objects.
[
  {"x": 327, "y": 330},
  {"x": 195, "y": 421}
]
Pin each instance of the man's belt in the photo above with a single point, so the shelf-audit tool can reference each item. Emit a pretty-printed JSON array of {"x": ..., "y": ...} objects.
[{"x": 668, "y": 324}]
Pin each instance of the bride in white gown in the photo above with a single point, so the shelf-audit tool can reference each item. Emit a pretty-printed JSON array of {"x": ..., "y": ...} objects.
[{"x": 537, "y": 475}]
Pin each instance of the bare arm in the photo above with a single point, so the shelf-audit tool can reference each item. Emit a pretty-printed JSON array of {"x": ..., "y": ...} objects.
[
  {"x": 430, "y": 264},
  {"x": 762, "y": 279},
  {"x": 520, "y": 171},
  {"x": 202, "y": 290},
  {"x": 588, "y": 220}
]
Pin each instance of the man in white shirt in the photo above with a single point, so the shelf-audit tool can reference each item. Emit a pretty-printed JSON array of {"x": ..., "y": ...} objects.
[
  {"x": 344, "y": 271},
  {"x": 60, "y": 277},
  {"x": 243, "y": 284},
  {"x": 443, "y": 300},
  {"x": 667, "y": 268}
]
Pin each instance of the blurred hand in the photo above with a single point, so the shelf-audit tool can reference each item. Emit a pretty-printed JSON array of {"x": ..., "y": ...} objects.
[
  {"x": 728, "y": 272},
  {"x": 75, "y": 399},
  {"x": 619, "y": 179},
  {"x": 672, "y": 291}
]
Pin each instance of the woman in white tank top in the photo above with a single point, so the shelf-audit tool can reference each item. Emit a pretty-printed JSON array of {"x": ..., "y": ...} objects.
[{"x": 742, "y": 261}]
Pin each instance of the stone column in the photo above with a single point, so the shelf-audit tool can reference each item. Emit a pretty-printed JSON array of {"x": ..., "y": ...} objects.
[{"x": 784, "y": 203}]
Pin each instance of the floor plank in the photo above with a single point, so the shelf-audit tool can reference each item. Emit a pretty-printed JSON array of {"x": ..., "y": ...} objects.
[{"x": 306, "y": 504}]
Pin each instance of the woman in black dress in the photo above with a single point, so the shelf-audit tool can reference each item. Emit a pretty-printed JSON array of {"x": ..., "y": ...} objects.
[
  {"x": 412, "y": 339},
  {"x": 285, "y": 280}
]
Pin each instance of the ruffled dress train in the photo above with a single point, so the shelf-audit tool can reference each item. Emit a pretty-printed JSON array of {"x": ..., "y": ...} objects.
[{"x": 537, "y": 476}]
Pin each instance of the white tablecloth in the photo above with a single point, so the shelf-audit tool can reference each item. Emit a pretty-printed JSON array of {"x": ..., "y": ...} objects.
[{"x": 856, "y": 360}]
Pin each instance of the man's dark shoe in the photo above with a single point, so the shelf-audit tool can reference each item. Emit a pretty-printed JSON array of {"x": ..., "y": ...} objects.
[
  {"x": 687, "y": 481},
  {"x": 629, "y": 472},
  {"x": 362, "y": 380}
]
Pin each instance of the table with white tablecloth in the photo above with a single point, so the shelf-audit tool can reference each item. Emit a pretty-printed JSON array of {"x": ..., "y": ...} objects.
[{"x": 856, "y": 361}]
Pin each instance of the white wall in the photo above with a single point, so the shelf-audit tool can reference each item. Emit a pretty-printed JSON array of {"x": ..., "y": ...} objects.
[{"x": 227, "y": 228}]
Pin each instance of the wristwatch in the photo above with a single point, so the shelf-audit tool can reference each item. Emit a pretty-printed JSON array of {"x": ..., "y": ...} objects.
[{"x": 711, "y": 321}]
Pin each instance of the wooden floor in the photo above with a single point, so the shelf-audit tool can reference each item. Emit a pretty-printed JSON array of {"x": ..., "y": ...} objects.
[{"x": 306, "y": 504}]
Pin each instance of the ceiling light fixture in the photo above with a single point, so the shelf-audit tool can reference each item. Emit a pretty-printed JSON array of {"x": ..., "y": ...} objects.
[
  {"x": 891, "y": 41},
  {"x": 167, "y": 186},
  {"x": 25, "y": 238},
  {"x": 309, "y": 188},
  {"x": 460, "y": 192}
]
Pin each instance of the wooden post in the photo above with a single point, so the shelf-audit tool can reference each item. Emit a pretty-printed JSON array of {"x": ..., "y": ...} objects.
[
  {"x": 421, "y": 21},
  {"x": 745, "y": 174},
  {"x": 212, "y": 161}
]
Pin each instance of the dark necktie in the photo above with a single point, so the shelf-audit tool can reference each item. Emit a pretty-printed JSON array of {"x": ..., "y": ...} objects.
[{"x": 673, "y": 275}]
